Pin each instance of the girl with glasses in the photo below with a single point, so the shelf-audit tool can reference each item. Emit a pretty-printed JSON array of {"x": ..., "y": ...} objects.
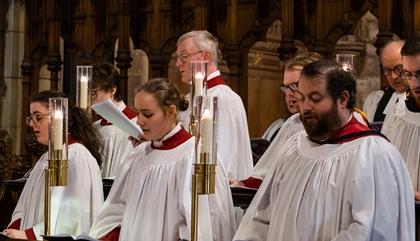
[{"x": 74, "y": 206}]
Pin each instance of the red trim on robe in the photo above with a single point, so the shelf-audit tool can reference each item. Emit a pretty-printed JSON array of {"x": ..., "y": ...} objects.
[
  {"x": 218, "y": 80},
  {"x": 15, "y": 224},
  {"x": 112, "y": 236},
  {"x": 353, "y": 126},
  {"x": 127, "y": 112},
  {"x": 252, "y": 182},
  {"x": 30, "y": 234},
  {"x": 180, "y": 137}
]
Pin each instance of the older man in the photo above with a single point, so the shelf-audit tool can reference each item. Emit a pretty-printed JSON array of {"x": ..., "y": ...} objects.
[
  {"x": 378, "y": 103},
  {"x": 402, "y": 124},
  {"x": 233, "y": 143},
  {"x": 337, "y": 180}
]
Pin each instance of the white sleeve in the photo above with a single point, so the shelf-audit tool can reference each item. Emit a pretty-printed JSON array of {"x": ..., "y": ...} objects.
[
  {"x": 111, "y": 213},
  {"x": 381, "y": 201},
  {"x": 371, "y": 104}
]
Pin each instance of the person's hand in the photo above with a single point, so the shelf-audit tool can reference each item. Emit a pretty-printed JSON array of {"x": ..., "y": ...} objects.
[
  {"x": 236, "y": 183},
  {"x": 417, "y": 195},
  {"x": 135, "y": 142},
  {"x": 14, "y": 233}
]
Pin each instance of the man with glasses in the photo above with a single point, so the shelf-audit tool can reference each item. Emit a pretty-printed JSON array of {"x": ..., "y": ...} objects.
[
  {"x": 378, "y": 103},
  {"x": 402, "y": 124},
  {"x": 292, "y": 73},
  {"x": 233, "y": 143},
  {"x": 338, "y": 179}
]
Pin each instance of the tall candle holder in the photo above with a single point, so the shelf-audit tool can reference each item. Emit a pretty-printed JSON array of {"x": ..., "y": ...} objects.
[
  {"x": 84, "y": 85},
  {"x": 204, "y": 168},
  {"x": 56, "y": 171},
  {"x": 198, "y": 71},
  {"x": 346, "y": 61}
]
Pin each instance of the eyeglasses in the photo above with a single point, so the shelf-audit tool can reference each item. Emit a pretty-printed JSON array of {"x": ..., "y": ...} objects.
[
  {"x": 36, "y": 118},
  {"x": 94, "y": 93},
  {"x": 407, "y": 75},
  {"x": 397, "y": 70},
  {"x": 184, "y": 56},
  {"x": 292, "y": 87}
]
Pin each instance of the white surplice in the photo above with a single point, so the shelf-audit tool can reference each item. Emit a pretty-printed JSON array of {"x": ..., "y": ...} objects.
[
  {"x": 73, "y": 207},
  {"x": 273, "y": 129},
  {"x": 151, "y": 198},
  {"x": 233, "y": 143},
  {"x": 116, "y": 146},
  {"x": 402, "y": 127},
  {"x": 372, "y": 101},
  {"x": 267, "y": 161},
  {"x": 371, "y": 104},
  {"x": 359, "y": 190}
]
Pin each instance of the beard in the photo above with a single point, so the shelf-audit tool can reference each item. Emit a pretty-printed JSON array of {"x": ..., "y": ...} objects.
[{"x": 319, "y": 126}]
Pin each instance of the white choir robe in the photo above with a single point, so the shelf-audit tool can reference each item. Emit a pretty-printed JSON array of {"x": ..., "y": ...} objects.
[
  {"x": 403, "y": 130},
  {"x": 73, "y": 207},
  {"x": 151, "y": 199},
  {"x": 272, "y": 129},
  {"x": 359, "y": 190},
  {"x": 371, "y": 104},
  {"x": 116, "y": 146},
  {"x": 233, "y": 143},
  {"x": 372, "y": 100},
  {"x": 267, "y": 162}
]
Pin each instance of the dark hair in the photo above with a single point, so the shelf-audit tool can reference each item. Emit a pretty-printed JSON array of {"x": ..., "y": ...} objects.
[
  {"x": 165, "y": 92},
  {"x": 79, "y": 124},
  {"x": 106, "y": 77},
  {"x": 411, "y": 46},
  {"x": 337, "y": 79}
]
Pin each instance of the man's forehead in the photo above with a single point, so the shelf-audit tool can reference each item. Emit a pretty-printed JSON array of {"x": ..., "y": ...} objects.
[
  {"x": 312, "y": 84},
  {"x": 411, "y": 63},
  {"x": 186, "y": 45}
]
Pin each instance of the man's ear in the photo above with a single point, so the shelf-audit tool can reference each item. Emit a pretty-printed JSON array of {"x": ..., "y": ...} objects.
[
  {"x": 207, "y": 56},
  {"x": 344, "y": 99}
]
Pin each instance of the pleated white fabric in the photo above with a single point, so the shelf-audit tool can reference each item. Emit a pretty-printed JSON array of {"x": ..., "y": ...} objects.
[
  {"x": 116, "y": 146},
  {"x": 371, "y": 104},
  {"x": 359, "y": 190},
  {"x": 402, "y": 127},
  {"x": 271, "y": 130},
  {"x": 151, "y": 199},
  {"x": 73, "y": 207},
  {"x": 267, "y": 161},
  {"x": 233, "y": 143}
]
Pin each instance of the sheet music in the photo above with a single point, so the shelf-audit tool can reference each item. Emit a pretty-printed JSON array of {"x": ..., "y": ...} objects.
[{"x": 108, "y": 110}]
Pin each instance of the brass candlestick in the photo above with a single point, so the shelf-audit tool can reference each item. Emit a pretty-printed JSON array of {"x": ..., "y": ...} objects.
[
  {"x": 56, "y": 171},
  {"x": 204, "y": 169}
]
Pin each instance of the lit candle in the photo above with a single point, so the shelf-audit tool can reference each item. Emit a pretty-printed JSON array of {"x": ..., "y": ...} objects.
[
  {"x": 198, "y": 83},
  {"x": 83, "y": 92},
  {"x": 206, "y": 125},
  {"x": 58, "y": 130}
]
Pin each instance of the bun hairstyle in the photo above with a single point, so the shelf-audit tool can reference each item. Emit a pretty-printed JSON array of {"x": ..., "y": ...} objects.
[
  {"x": 79, "y": 124},
  {"x": 106, "y": 77},
  {"x": 165, "y": 92}
]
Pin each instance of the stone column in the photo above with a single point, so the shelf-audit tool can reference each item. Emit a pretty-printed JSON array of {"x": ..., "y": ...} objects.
[{"x": 11, "y": 95}]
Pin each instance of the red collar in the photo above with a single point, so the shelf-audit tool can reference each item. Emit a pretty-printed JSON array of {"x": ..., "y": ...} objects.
[
  {"x": 127, "y": 112},
  {"x": 177, "y": 139},
  {"x": 218, "y": 80},
  {"x": 71, "y": 140},
  {"x": 351, "y": 131}
]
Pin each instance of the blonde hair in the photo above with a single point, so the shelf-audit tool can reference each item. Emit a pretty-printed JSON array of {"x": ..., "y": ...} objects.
[{"x": 301, "y": 60}]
